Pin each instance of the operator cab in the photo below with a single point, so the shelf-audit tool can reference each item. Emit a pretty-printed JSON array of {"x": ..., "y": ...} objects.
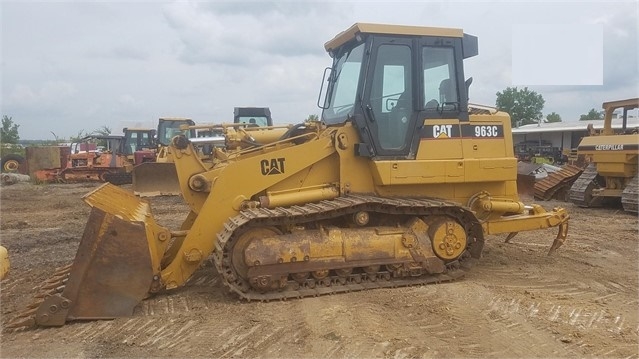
[
  {"x": 389, "y": 79},
  {"x": 169, "y": 127},
  {"x": 253, "y": 116},
  {"x": 137, "y": 139}
]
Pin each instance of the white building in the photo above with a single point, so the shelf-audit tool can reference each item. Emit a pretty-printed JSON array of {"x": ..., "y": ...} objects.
[{"x": 563, "y": 135}]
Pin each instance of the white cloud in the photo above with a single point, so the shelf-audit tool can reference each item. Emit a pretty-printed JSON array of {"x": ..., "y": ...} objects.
[
  {"x": 557, "y": 54},
  {"x": 48, "y": 94},
  {"x": 21, "y": 95},
  {"x": 243, "y": 36}
]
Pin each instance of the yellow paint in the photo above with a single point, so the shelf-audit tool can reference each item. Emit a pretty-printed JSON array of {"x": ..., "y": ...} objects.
[{"x": 5, "y": 265}]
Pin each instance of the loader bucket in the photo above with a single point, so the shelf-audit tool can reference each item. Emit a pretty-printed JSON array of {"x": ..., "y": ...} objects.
[
  {"x": 155, "y": 179},
  {"x": 113, "y": 269}
]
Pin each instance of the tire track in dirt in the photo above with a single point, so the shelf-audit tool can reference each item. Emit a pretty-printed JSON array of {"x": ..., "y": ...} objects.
[
  {"x": 185, "y": 321},
  {"x": 552, "y": 296},
  {"x": 432, "y": 321},
  {"x": 479, "y": 332},
  {"x": 334, "y": 322},
  {"x": 453, "y": 319},
  {"x": 575, "y": 309}
]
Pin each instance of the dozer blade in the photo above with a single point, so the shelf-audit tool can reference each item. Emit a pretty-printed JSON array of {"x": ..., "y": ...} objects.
[
  {"x": 155, "y": 179},
  {"x": 112, "y": 271}
]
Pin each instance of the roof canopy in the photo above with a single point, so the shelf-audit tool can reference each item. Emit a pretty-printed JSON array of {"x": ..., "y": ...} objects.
[{"x": 367, "y": 28}]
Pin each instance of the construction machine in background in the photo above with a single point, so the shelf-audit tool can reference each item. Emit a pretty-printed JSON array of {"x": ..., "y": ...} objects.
[
  {"x": 613, "y": 156},
  {"x": 12, "y": 162},
  {"x": 539, "y": 152},
  {"x": 99, "y": 158},
  {"x": 137, "y": 147},
  {"x": 253, "y": 116},
  {"x": 159, "y": 178},
  {"x": 557, "y": 184},
  {"x": 398, "y": 184}
]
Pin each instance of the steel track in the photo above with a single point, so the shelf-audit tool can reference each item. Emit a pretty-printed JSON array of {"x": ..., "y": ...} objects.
[
  {"x": 327, "y": 210},
  {"x": 630, "y": 195},
  {"x": 581, "y": 190}
]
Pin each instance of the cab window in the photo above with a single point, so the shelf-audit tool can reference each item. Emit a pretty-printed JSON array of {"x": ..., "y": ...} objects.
[{"x": 440, "y": 83}]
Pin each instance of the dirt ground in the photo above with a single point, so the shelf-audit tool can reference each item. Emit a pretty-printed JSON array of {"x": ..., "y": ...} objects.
[{"x": 516, "y": 302}]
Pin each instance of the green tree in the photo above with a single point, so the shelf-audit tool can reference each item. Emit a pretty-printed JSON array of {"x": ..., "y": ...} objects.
[
  {"x": 9, "y": 131},
  {"x": 592, "y": 115},
  {"x": 312, "y": 118},
  {"x": 524, "y": 106},
  {"x": 553, "y": 117}
]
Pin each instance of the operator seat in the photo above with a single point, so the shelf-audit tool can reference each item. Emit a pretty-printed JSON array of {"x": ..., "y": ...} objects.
[
  {"x": 447, "y": 93},
  {"x": 447, "y": 96},
  {"x": 400, "y": 119}
]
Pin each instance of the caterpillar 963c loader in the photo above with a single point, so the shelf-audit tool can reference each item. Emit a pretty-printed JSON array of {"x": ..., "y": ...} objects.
[
  {"x": 613, "y": 170},
  {"x": 398, "y": 184}
]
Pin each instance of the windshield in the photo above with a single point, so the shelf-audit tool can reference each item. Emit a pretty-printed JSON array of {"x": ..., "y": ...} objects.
[
  {"x": 342, "y": 87},
  {"x": 168, "y": 129},
  {"x": 261, "y": 121}
]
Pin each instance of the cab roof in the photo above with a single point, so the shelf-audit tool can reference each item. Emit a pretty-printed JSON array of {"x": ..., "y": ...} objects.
[{"x": 368, "y": 28}]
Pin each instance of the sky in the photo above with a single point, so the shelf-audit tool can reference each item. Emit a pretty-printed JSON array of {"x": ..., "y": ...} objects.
[{"x": 73, "y": 66}]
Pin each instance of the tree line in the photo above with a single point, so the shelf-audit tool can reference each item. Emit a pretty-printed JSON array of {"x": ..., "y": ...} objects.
[
  {"x": 525, "y": 107},
  {"x": 9, "y": 133}
]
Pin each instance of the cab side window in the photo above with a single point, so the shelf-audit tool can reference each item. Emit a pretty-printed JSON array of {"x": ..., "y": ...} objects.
[{"x": 440, "y": 83}]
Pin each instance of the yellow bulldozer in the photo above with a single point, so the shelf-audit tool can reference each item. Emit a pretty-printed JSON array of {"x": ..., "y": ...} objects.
[
  {"x": 612, "y": 174},
  {"x": 397, "y": 184}
]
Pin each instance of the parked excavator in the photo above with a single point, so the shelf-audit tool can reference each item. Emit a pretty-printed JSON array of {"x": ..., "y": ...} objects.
[
  {"x": 397, "y": 185},
  {"x": 612, "y": 172}
]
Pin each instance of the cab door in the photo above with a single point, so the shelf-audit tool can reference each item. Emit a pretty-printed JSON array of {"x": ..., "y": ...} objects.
[{"x": 388, "y": 100}]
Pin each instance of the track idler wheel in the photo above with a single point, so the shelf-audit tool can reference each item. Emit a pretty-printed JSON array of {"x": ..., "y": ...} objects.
[{"x": 448, "y": 238}]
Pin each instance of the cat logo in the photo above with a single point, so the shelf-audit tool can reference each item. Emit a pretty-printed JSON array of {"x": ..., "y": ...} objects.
[
  {"x": 442, "y": 131},
  {"x": 437, "y": 132},
  {"x": 274, "y": 166}
]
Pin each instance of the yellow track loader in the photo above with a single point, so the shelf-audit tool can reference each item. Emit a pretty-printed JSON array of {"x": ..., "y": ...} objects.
[
  {"x": 158, "y": 177},
  {"x": 398, "y": 184}
]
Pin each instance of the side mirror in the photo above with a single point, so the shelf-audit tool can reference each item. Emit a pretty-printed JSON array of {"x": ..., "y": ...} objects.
[{"x": 322, "y": 93}]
